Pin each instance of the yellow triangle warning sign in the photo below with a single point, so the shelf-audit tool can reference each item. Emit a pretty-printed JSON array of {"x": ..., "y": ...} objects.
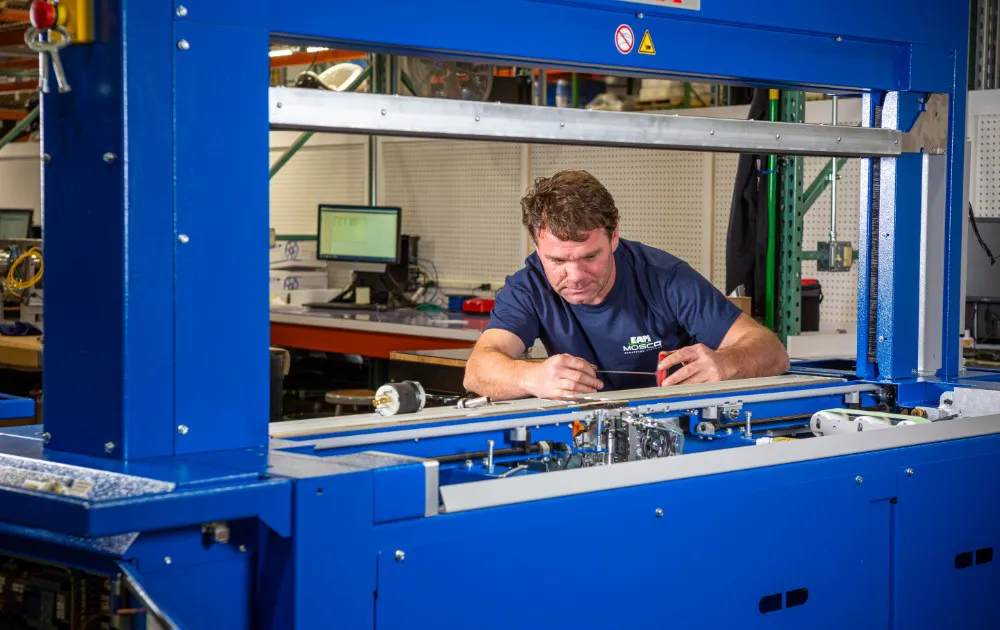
[{"x": 646, "y": 46}]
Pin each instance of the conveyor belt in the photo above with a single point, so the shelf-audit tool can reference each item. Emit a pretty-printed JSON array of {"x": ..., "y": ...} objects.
[{"x": 332, "y": 425}]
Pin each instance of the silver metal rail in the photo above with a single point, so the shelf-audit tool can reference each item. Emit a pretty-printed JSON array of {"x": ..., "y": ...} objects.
[{"x": 390, "y": 115}]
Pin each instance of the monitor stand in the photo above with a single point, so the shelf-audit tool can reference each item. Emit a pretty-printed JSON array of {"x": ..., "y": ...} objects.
[{"x": 388, "y": 287}]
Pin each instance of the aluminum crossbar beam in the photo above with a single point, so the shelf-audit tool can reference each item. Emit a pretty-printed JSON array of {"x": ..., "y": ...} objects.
[{"x": 390, "y": 115}]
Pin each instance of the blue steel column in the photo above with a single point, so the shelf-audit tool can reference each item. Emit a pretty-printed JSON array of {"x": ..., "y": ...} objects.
[
  {"x": 953, "y": 227},
  {"x": 221, "y": 329},
  {"x": 108, "y": 222},
  {"x": 865, "y": 368},
  {"x": 155, "y": 347}
]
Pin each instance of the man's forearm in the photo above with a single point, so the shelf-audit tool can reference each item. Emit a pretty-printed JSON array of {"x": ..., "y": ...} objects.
[
  {"x": 492, "y": 373},
  {"x": 757, "y": 354}
]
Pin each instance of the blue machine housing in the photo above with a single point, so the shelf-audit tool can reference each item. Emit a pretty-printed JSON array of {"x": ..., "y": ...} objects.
[{"x": 157, "y": 159}]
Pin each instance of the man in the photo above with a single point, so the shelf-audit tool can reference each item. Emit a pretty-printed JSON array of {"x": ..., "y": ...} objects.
[{"x": 600, "y": 302}]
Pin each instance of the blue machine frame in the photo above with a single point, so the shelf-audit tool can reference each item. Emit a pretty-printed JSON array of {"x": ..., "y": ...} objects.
[{"x": 157, "y": 160}]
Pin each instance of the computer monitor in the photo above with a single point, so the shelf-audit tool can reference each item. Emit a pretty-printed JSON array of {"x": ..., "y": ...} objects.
[
  {"x": 982, "y": 280},
  {"x": 15, "y": 223},
  {"x": 359, "y": 234}
]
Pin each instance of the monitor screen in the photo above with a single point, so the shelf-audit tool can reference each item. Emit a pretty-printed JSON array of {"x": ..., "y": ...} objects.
[
  {"x": 359, "y": 234},
  {"x": 982, "y": 280},
  {"x": 15, "y": 223}
]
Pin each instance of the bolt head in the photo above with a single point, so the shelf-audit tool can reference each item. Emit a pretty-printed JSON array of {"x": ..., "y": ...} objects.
[
  {"x": 640, "y": 15},
  {"x": 711, "y": 132},
  {"x": 383, "y": 112},
  {"x": 477, "y": 118},
  {"x": 46, "y": 158},
  {"x": 659, "y": 512},
  {"x": 881, "y": 338},
  {"x": 468, "y": 463},
  {"x": 183, "y": 44},
  {"x": 859, "y": 480},
  {"x": 400, "y": 555},
  {"x": 839, "y": 38},
  {"x": 183, "y": 239},
  {"x": 909, "y": 472},
  {"x": 279, "y": 104},
  {"x": 562, "y": 123},
  {"x": 109, "y": 447},
  {"x": 838, "y": 138},
  {"x": 182, "y": 429},
  {"x": 109, "y": 157},
  {"x": 181, "y": 10},
  {"x": 243, "y": 548},
  {"x": 777, "y": 136},
  {"x": 167, "y": 560},
  {"x": 46, "y": 437}
]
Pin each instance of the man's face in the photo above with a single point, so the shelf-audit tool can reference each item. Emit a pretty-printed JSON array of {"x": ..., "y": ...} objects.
[{"x": 581, "y": 272}]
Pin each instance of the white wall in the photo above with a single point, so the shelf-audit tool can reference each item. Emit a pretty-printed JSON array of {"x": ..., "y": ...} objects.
[{"x": 20, "y": 178}]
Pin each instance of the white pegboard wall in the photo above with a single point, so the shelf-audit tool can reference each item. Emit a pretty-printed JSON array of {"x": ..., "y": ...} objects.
[
  {"x": 462, "y": 199},
  {"x": 723, "y": 181},
  {"x": 662, "y": 196},
  {"x": 987, "y": 168},
  {"x": 840, "y": 290},
  {"x": 315, "y": 175}
]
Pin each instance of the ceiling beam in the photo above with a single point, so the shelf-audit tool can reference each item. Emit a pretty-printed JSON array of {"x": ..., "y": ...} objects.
[{"x": 323, "y": 56}]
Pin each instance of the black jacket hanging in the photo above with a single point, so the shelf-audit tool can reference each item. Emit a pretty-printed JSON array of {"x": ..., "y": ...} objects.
[{"x": 746, "y": 238}]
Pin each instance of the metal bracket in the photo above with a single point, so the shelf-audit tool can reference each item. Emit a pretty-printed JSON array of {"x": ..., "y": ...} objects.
[{"x": 929, "y": 133}]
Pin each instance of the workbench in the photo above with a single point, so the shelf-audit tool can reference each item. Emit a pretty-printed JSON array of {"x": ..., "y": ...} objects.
[
  {"x": 21, "y": 353},
  {"x": 373, "y": 334}
]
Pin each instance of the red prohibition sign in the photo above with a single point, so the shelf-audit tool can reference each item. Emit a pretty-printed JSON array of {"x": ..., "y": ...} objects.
[{"x": 624, "y": 39}]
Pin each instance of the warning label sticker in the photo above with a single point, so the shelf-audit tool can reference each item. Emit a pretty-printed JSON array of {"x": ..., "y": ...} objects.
[
  {"x": 646, "y": 45},
  {"x": 624, "y": 39}
]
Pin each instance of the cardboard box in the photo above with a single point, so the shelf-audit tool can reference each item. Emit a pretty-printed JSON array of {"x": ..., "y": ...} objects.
[{"x": 743, "y": 303}]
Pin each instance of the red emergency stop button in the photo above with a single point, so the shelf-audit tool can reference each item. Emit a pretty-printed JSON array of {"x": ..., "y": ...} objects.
[{"x": 43, "y": 15}]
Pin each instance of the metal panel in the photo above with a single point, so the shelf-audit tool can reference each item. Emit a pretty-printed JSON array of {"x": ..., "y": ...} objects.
[
  {"x": 14, "y": 407},
  {"x": 650, "y": 550},
  {"x": 108, "y": 183},
  {"x": 292, "y": 108},
  {"x": 822, "y": 40},
  {"x": 899, "y": 264},
  {"x": 482, "y": 494},
  {"x": 986, "y": 185},
  {"x": 953, "y": 505},
  {"x": 221, "y": 233},
  {"x": 463, "y": 200},
  {"x": 931, "y": 301}
]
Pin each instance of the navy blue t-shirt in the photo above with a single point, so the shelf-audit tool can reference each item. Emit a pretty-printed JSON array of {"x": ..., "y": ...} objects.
[{"x": 658, "y": 302}]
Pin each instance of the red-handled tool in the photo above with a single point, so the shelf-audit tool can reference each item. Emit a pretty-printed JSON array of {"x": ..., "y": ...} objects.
[{"x": 661, "y": 375}]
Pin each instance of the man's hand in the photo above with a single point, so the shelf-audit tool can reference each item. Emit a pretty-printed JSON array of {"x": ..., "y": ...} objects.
[
  {"x": 560, "y": 376},
  {"x": 700, "y": 364}
]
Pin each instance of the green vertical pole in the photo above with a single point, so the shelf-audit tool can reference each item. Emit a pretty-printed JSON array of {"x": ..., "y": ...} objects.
[
  {"x": 772, "y": 196},
  {"x": 791, "y": 211},
  {"x": 576, "y": 91}
]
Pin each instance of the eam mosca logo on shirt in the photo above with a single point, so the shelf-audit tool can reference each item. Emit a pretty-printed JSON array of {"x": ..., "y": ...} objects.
[{"x": 641, "y": 343}]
